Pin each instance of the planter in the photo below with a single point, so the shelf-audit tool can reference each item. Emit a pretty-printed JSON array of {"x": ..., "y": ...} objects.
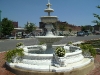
[
  {"x": 15, "y": 59},
  {"x": 60, "y": 61},
  {"x": 86, "y": 54},
  {"x": 21, "y": 46}
]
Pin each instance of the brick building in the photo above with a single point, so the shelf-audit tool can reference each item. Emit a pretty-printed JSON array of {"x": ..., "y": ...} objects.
[
  {"x": 15, "y": 24},
  {"x": 68, "y": 26},
  {"x": 17, "y": 29},
  {"x": 96, "y": 27}
]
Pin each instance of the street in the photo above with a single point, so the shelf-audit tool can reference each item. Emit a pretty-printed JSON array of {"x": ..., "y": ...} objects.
[{"x": 11, "y": 43}]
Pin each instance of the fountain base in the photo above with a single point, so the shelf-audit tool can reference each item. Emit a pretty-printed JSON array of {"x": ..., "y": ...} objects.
[{"x": 79, "y": 71}]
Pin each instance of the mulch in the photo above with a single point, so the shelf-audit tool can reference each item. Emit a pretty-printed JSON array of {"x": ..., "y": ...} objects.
[{"x": 4, "y": 71}]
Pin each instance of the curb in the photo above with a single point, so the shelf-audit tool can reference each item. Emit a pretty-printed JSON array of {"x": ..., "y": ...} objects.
[{"x": 3, "y": 51}]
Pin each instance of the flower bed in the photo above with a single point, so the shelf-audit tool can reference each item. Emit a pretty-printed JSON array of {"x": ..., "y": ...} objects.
[{"x": 95, "y": 43}]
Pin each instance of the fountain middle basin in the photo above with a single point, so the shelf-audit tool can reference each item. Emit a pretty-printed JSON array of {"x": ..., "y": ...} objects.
[{"x": 49, "y": 40}]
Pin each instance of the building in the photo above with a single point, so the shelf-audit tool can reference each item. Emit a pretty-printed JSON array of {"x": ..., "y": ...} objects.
[
  {"x": 96, "y": 27},
  {"x": 68, "y": 26},
  {"x": 17, "y": 30},
  {"x": 15, "y": 24}
]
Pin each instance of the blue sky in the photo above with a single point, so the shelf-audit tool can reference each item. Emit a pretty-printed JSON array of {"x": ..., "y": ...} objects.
[{"x": 77, "y": 12}]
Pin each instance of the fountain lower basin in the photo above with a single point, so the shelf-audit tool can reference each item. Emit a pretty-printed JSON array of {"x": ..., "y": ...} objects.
[
  {"x": 46, "y": 62},
  {"x": 48, "y": 68},
  {"x": 49, "y": 63}
]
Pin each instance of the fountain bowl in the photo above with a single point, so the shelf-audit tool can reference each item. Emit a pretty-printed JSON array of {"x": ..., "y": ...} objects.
[{"x": 49, "y": 39}]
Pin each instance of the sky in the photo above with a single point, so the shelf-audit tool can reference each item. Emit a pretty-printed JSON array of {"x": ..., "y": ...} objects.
[{"x": 76, "y": 12}]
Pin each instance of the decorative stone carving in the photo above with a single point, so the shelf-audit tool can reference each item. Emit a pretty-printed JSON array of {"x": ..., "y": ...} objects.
[
  {"x": 16, "y": 59},
  {"x": 35, "y": 48},
  {"x": 60, "y": 61}
]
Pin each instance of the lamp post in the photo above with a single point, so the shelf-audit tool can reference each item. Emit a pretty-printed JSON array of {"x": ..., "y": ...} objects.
[{"x": 0, "y": 23}]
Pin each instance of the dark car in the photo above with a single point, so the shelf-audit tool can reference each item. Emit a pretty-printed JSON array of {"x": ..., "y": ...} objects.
[{"x": 82, "y": 33}]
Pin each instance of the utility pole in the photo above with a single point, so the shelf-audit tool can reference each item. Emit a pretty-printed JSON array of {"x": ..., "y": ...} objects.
[{"x": 0, "y": 23}]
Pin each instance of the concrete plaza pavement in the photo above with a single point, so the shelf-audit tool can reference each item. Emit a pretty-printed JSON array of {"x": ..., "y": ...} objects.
[{"x": 11, "y": 43}]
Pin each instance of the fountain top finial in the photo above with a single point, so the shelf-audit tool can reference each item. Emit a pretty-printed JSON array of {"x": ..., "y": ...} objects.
[
  {"x": 48, "y": 9},
  {"x": 49, "y": 19},
  {"x": 48, "y": 5},
  {"x": 48, "y": 1}
]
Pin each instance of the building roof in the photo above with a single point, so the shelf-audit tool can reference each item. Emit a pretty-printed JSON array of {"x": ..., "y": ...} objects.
[{"x": 19, "y": 28}]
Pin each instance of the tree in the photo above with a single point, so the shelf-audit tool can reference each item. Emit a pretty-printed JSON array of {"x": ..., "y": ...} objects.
[
  {"x": 91, "y": 29},
  {"x": 55, "y": 28},
  {"x": 98, "y": 17},
  {"x": 30, "y": 27},
  {"x": 62, "y": 27},
  {"x": 70, "y": 30},
  {"x": 83, "y": 28},
  {"x": 7, "y": 26}
]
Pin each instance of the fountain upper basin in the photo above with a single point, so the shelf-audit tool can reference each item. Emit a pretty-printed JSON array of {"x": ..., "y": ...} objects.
[{"x": 49, "y": 19}]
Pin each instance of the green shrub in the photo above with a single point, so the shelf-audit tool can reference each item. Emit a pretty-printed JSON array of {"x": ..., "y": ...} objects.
[
  {"x": 11, "y": 53},
  {"x": 41, "y": 43},
  {"x": 70, "y": 42},
  {"x": 19, "y": 44},
  {"x": 89, "y": 48},
  {"x": 60, "y": 51}
]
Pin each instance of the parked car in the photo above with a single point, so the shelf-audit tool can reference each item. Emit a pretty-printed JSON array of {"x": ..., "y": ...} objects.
[
  {"x": 9, "y": 37},
  {"x": 87, "y": 32},
  {"x": 82, "y": 33},
  {"x": 97, "y": 32}
]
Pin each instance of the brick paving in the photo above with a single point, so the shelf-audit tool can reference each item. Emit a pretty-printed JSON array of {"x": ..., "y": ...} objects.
[
  {"x": 96, "y": 70},
  {"x": 4, "y": 71}
]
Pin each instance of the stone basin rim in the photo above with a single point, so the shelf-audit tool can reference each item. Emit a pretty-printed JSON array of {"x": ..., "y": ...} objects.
[
  {"x": 49, "y": 16},
  {"x": 49, "y": 36},
  {"x": 67, "y": 54}
]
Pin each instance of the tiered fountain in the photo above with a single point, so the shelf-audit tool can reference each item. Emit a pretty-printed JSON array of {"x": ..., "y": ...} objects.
[{"x": 41, "y": 59}]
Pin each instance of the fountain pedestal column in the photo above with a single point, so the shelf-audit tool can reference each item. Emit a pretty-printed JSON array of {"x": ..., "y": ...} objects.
[
  {"x": 49, "y": 49},
  {"x": 49, "y": 27}
]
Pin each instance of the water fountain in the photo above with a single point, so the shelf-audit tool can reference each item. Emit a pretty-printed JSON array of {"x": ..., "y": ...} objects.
[{"x": 41, "y": 59}]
